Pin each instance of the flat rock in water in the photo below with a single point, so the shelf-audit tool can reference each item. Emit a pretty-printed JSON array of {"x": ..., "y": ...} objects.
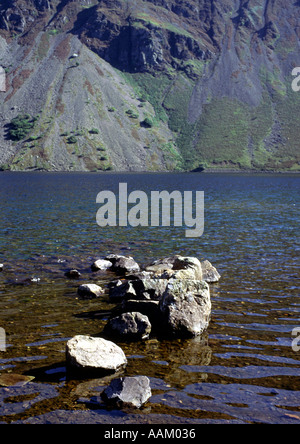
[
  {"x": 13, "y": 379},
  {"x": 128, "y": 392},
  {"x": 88, "y": 353}
]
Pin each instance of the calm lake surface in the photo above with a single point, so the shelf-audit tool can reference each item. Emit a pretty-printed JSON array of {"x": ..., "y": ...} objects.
[{"x": 242, "y": 370}]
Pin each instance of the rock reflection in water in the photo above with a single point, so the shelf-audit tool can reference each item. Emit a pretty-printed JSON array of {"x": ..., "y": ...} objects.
[{"x": 174, "y": 354}]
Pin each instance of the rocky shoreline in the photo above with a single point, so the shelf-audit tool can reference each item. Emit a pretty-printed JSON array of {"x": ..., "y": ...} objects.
[{"x": 169, "y": 298}]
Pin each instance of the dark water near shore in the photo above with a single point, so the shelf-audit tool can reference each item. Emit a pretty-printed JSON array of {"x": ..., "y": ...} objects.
[{"x": 242, "y": 370}]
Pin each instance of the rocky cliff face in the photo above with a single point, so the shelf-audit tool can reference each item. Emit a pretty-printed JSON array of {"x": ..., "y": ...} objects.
[{"x": 149, "y": 85}]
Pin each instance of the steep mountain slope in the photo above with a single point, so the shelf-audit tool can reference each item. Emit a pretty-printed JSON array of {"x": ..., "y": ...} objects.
[{"x": 149, "y": 85}]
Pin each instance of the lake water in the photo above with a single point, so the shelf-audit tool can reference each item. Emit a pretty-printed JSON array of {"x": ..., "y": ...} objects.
[{"x": 242, "y": 370}]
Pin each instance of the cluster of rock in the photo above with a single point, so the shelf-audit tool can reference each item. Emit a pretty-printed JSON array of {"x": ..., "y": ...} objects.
[{"x": 171, "y": 296}]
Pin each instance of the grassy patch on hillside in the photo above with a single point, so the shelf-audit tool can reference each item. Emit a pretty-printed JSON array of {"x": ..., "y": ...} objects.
[
  {"x": 228, "y": 133},
  {"x": 288, "y": 109},
  {"x": 222, "y": 133},
  {"x": 151, "y": 89}
]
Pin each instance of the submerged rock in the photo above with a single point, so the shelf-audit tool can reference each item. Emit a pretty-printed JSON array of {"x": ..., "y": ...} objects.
[
  {"x": 13, "y": 379},
  {"x": 85, "y": 353},
  {"x": 131, "y": 325},
  {"x": 186, "y": 306},
  {"x": 90, "y": 291},
  {"x": 73, "y": 274},
  {"x": 128, "y": 392}
]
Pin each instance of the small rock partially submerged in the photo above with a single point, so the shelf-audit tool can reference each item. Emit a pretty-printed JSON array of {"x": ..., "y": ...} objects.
[
  {"x": 73, "y": 274},
  {"x": 210, "y": 273},
  {"x": 101, "y": 264},
  {"x": 128, "y": 392},
  {"x": 122, "y": 264},
  {"x": 90, "y": 291},
  {"x": 86, "y": 353},
  {"x": 116, "y": 263}
]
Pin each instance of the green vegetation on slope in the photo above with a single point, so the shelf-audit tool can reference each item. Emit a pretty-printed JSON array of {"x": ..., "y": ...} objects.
[{"x": 21, "y": 126}]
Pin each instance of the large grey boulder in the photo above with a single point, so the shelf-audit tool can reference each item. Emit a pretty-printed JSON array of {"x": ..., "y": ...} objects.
[
  {"x": 186, "y": 307},
  {"x": 131, "y": 325},
  {"x": 86, "y": 353},
  {"x": 128, "y": 392}
]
